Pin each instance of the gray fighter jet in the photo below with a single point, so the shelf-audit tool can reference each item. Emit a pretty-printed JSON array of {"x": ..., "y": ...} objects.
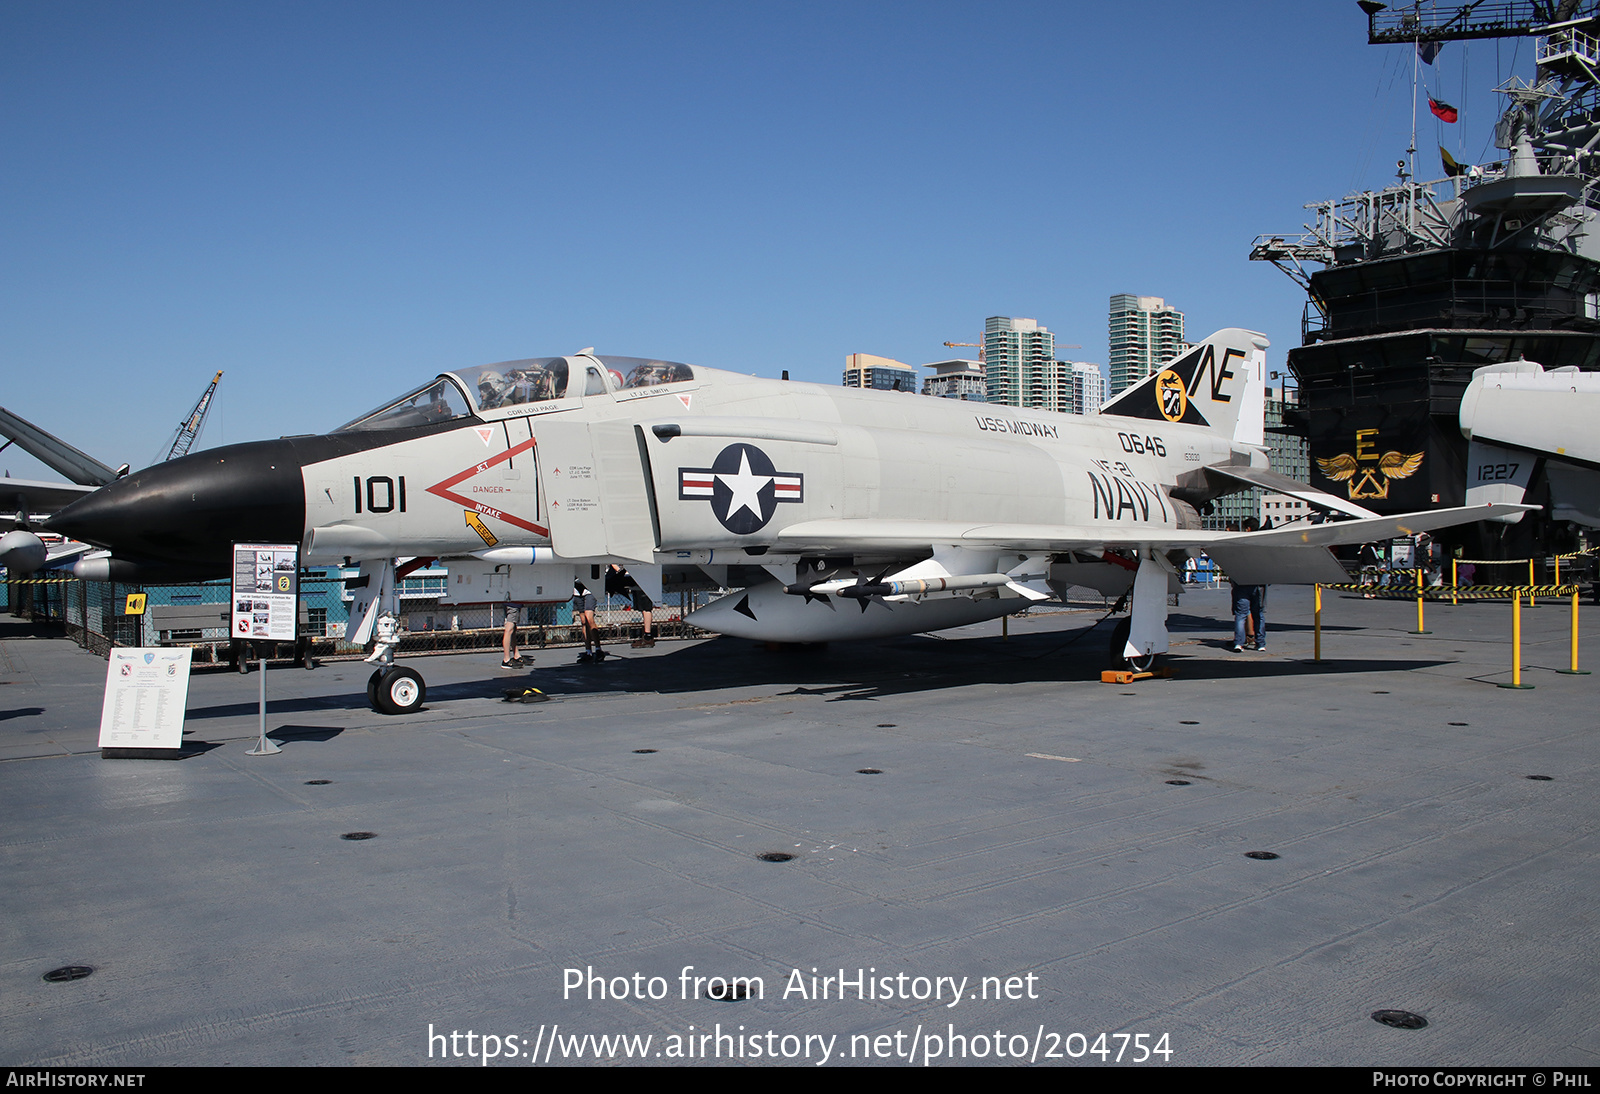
[{"x": 839, "y": 513}]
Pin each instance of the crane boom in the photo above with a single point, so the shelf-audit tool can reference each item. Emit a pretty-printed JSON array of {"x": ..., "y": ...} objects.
[{"x": 190, "y": 428}]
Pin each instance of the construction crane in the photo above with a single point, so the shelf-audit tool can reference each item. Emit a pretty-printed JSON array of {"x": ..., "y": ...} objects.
[{"x": 189, "y": 428}]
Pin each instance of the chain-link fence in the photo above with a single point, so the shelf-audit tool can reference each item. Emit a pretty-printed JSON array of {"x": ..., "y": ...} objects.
[{"x": 94, "y": 615}]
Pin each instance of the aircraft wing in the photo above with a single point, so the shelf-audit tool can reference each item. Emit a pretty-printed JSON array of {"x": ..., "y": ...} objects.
[
  {"x": 820, "y": 536},
  {"x": 57, "y": 454}
]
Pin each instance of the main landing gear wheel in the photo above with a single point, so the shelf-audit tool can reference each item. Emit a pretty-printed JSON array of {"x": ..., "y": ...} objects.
[
  {"x": 396, "y": 690},
  {"x": 1119, "y": 643}
]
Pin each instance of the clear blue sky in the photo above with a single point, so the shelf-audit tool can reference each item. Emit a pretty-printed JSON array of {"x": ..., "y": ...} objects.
[{"x": 332, "y": 202}]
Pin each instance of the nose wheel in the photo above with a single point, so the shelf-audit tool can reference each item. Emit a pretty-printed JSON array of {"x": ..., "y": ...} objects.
[{"x": 396, "y": 690}]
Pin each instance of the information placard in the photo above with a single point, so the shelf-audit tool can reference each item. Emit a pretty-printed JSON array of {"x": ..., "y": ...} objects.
[
  {"x": 266, "y": 591},
  {"x": 146, "y": 693}
]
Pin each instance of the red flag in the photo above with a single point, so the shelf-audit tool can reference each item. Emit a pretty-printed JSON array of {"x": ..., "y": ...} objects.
[{"x": 1442, "y": 110}]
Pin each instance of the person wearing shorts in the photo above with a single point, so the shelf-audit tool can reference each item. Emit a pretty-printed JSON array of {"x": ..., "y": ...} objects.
[{"x": 583, "y": 606}]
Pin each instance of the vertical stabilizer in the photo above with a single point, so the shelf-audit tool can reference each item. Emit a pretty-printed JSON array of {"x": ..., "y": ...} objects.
[{"x": 1219, "y": 384}]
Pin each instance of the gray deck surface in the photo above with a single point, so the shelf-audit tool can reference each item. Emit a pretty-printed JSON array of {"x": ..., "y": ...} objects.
[{"x": 1022, "y": 824}]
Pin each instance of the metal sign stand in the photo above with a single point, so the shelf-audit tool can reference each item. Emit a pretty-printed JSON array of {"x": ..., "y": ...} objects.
[
  {"x": 264, "y": 747},
  {"x": 266, "y": 605}
]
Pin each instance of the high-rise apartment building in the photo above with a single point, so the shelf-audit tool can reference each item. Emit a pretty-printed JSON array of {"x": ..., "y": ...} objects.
[
  {"x": 1019, "y": 360},
  {"x": 882, "y": 373},
  {"x": 1088, "y": 388},
  {"x": 1146, "y": 333}
]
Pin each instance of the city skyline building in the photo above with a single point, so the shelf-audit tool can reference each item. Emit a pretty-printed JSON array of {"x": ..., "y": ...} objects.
[
  {"x": 1145, "y": 333},
  {"x": 1021, "y": 370},
  {"x": 868, "y": 370},
  {"x": 1019, "y": 361},
  {"x": 957, "y": 378},
  {"x": 1088, "y": 387}
]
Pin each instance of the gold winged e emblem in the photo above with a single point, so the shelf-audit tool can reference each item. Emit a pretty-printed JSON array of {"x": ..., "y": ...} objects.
[{"x": 1367, "y": 474}]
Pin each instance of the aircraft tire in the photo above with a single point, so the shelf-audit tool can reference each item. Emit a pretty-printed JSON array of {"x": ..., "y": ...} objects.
[
  {"x": 1119, "y": 642},
  {"x": 400, "y": 691},
  {"x": 372, "y": 688}
]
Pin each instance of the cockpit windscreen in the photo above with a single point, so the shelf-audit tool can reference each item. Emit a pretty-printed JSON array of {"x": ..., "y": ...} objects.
[{"x": 438, "y": 400}]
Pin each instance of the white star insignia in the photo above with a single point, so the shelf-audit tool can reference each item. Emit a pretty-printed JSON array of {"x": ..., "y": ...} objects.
[{"x": 746, "y": 487}]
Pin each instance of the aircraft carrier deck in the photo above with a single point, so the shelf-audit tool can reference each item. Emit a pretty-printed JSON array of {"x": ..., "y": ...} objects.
[{"x": 1027, "y": 821}]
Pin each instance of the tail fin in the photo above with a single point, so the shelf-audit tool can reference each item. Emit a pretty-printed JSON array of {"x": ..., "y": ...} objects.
[{"x": 1220, "y": 384}]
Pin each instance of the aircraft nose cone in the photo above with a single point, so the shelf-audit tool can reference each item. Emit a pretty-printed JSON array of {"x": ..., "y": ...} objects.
[{"x": 190, "y": 511}]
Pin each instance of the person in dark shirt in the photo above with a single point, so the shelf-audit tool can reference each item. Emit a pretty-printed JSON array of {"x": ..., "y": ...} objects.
[{"x": 620, "y": 582}]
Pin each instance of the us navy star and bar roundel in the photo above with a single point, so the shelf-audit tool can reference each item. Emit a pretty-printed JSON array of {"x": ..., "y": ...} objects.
[{"x": 743, "y": 487}]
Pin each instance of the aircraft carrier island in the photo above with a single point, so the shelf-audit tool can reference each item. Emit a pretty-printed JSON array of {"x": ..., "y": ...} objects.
[{"x": 1423, "y": 283}]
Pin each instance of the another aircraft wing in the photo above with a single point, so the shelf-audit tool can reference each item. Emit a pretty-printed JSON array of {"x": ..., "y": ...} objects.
[
  {"x": 39, "y": 499},
  {"x": 60, "y": 456}
]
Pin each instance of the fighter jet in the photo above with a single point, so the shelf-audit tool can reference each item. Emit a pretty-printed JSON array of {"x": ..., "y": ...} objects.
[{"x": 838, "y": 513}]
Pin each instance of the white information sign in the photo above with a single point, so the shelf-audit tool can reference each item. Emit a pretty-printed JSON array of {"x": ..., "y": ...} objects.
[
  {"x": 266, "y": 591},
  {"x": 147, "y": 691}
]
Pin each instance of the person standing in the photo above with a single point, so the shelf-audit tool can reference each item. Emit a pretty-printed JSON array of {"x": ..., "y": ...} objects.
[
  {"x": 510, "y": 654},
  {"x": 1249, "y": 623},
  {"x": 619, "y": 582},
  {"x": 583, "y": 606}
]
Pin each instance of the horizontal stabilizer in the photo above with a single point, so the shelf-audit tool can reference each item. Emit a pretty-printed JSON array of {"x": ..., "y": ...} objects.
[
  {"x": 1246, "y": 565},
  {"x": 1283, "y": 484}
]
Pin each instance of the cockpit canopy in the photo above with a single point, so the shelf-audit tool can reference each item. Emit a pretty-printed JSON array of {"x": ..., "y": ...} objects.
[{"x": 467, "y": 392}]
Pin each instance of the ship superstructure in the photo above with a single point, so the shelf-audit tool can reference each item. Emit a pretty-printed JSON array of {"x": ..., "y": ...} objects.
[{"x": 1423, "y": 282}]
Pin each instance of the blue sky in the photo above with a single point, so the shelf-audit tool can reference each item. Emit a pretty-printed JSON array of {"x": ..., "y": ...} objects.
[{"x": 332, "y": 202}]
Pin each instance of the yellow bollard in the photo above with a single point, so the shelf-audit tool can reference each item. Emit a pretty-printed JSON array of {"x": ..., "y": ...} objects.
[
  {"x": 1455, "y": 581},
  {"x": 1574, "y": 670},
  {"x": 1419, "y": 629},
  {"x": 1530, "y": 583},
  {"x": 1316, "y": 628},
  {"x": 1516, "y": 646}
]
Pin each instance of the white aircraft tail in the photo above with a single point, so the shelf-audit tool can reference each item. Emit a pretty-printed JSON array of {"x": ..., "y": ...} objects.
[{"x": 1219, "y": 384}]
